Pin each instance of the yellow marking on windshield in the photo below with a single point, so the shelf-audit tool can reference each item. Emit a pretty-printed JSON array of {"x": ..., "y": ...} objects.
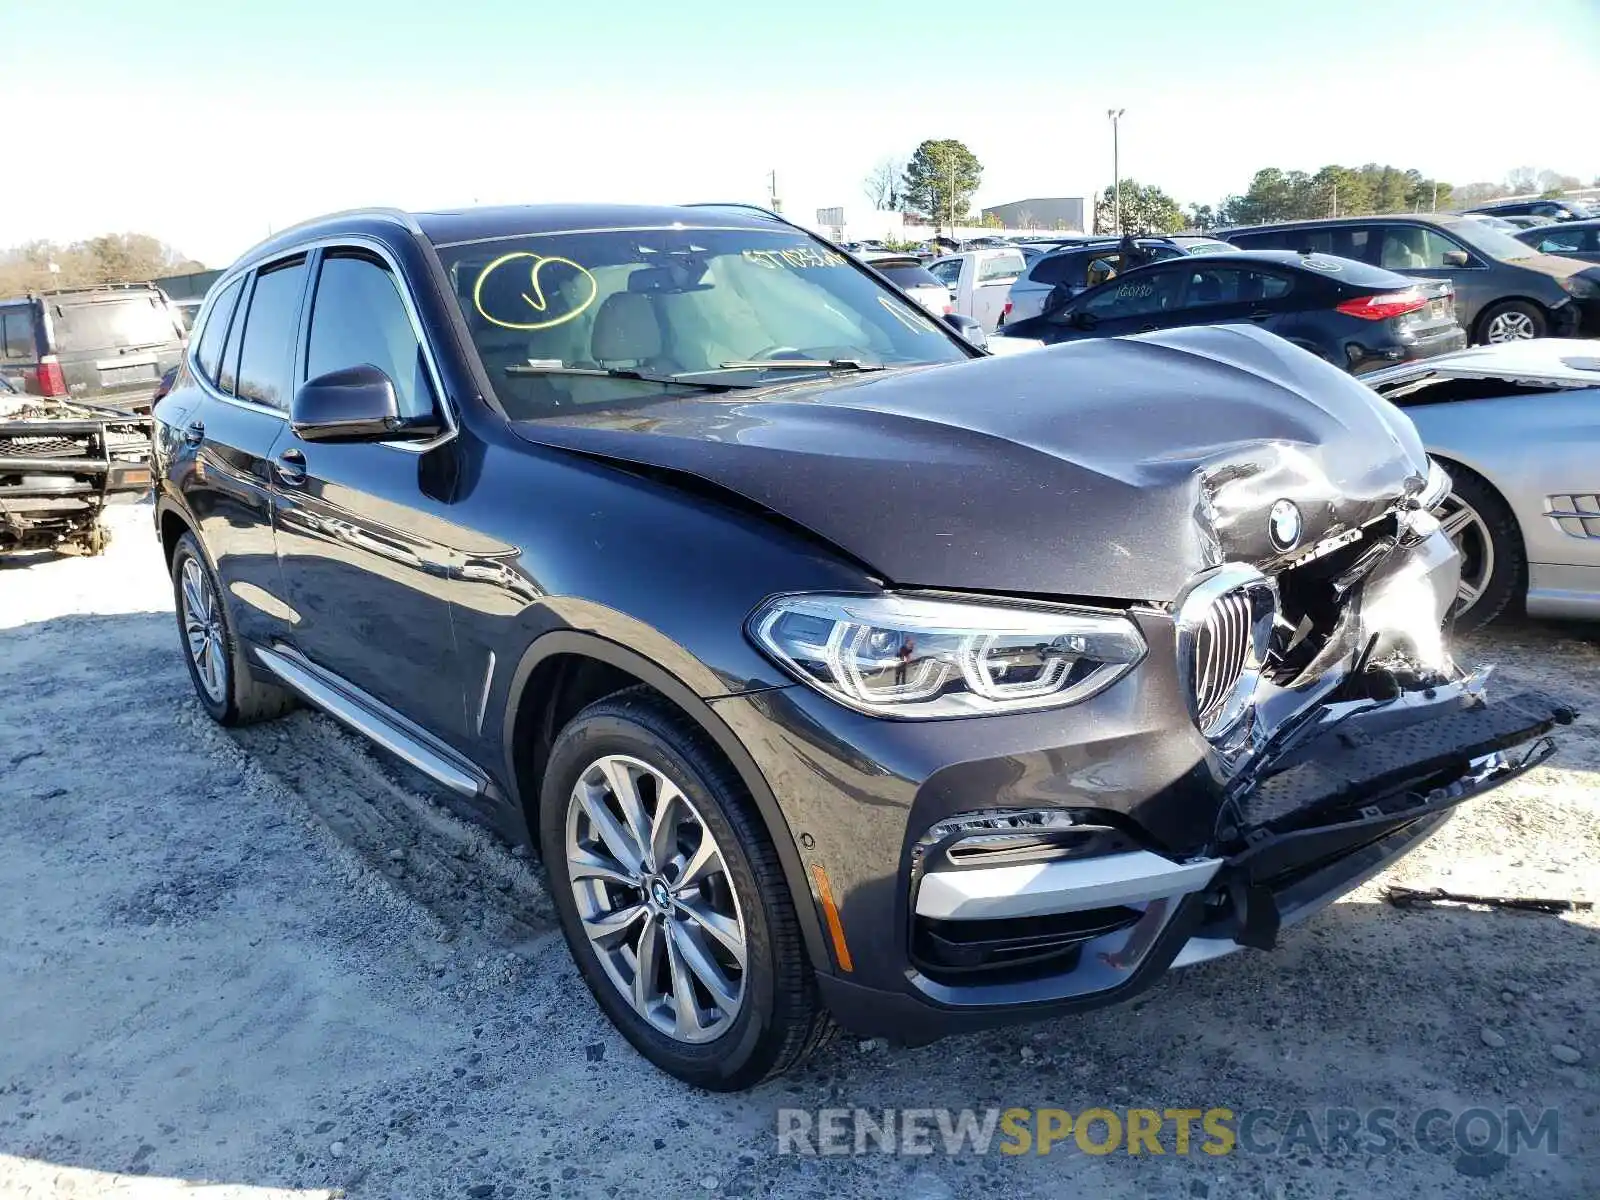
[
  {"x": 538, "y": 302},
  {"x": 910, "y": 320}
]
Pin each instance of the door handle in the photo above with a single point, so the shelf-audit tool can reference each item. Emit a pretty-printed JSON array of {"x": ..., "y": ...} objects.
[
  {"x": 1147, "y": 329},
  {"x": 194, "y": 433},
  {"x": 291, "y": 468},
  {"x": 1262, "y": 314}
]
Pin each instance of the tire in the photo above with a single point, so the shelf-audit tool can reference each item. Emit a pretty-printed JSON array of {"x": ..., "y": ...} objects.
[
  {"x": 1494, "y": 562},
  {"x": 775, "y": 1018},
  {"x": 1511, "y": 321},
  {"x": 227, "y": 688}
]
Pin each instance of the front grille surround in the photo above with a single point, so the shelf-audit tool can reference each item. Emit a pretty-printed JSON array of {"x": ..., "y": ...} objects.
[{"x": 1225, "y": 626}]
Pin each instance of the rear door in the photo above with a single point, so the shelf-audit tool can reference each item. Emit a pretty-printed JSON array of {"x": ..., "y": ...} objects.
[
  {"x": 1582, "y": 241},
  {"x": 994, "y": 273},
  {"x": 1419, "y": 251},
  {"x": 364, "y": 530},
  {"x": 1222, "y": 293},
  {"x": 229, "y": 435},
  {"x": 114, "y": 345}
]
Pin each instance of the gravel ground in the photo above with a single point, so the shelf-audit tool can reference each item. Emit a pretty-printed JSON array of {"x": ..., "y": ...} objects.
[{"x": 271, "y": 960}]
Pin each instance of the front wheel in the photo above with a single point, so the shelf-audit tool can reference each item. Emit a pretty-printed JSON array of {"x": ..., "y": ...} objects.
[
  {"x": 1493, "y": 561},
  {"x": 1513, "y": 321},
  {"x": 671, "y": 898}
]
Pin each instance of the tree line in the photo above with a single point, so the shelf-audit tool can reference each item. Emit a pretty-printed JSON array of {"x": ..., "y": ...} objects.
[
  {"x": 42, "y": 265},
  {"x": 938, "y": 181}
]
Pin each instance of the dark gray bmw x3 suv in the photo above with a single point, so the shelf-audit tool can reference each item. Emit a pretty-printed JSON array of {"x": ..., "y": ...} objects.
[{"x": 838, "y": 671}]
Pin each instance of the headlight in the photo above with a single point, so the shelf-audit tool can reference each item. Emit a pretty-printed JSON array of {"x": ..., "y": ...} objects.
[
  {"x": 1436, "y": 489},
  {"x": 917, "y": 657},
  {"x": 1579, "y": 287}
]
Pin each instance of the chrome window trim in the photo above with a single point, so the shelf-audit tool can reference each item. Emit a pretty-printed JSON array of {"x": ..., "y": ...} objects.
[
  {"x": 348, "y": 241},
  {"x": 531, "y": 233}
]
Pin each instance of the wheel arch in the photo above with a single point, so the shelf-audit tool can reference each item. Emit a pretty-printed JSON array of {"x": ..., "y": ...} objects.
[
  {"x": 531, "y": 710},
  {"x": 1482, "y": 319},
  {"x": 1453, "y": 462},
  {"x": 172, "y": 523}
]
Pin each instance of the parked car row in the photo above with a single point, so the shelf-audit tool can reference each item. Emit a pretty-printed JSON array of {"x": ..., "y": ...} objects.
[
  {"x": 1347, "y": 313},
  {"x": 1505, "y": 290}
]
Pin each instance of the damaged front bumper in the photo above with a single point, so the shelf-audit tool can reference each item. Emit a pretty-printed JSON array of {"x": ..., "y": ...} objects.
[{"x": 1334, "y": 807}]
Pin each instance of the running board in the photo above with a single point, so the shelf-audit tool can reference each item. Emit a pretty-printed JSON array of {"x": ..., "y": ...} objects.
[{"x": 375, "y": 721}]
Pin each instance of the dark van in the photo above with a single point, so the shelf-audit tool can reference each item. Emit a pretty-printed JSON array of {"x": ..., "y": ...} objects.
[{"x": 110, "y": 345}]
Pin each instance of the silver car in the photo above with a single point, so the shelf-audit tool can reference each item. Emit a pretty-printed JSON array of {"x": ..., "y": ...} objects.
[{"x": 1514, "y": 425}]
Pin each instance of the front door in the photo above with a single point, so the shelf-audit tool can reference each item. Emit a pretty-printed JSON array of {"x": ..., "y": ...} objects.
[
  {"x": 1419, "y": 251},
  {"x": 364, "y": 537}
]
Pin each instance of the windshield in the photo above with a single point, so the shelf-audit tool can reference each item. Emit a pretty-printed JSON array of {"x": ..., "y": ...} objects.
[
  {"x": 672, "y": 304},
  {"x": 141, "y": 319},
  {"x": 1493, "y": 242}
]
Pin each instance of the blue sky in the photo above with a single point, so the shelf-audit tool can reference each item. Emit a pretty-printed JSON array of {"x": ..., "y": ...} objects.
[{"x": 208, "y": 124}]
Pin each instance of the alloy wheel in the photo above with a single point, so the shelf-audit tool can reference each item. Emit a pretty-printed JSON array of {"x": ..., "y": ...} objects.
[
  {"x": 1468, "y": 530},
  {"x": 202, "y": 629},
  {"x": 654, "y": 898},
  {"x": 1510, "y": 327}
]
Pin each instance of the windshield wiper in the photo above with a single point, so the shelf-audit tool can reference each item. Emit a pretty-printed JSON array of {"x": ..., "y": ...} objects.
[
  {"x": 619, "y": 373},
  {"x": 802, "y": 364}
]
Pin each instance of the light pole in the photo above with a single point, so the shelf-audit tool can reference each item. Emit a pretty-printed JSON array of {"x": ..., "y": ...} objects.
[{"x": 1115, "y": 114}]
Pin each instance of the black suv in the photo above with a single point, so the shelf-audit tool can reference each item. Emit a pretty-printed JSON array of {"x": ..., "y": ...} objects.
[
  {"x": 1505, "y": 291},
  {"x": 108, "y": 344},
  {"x": 1555, "y": 209},
  {"x": 836, "y": 670}
]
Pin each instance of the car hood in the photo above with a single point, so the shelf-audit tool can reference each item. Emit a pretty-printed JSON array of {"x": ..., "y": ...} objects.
[
  {"x": 1554, "y": 265},
  {"x": 1113, "y": 468}
]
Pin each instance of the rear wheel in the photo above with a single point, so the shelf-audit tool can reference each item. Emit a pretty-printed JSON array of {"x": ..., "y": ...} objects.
[
  {"x": 1512, "y": 321},
  {"x": 224, "y": 682},
  {"x": 1493, "y": 561},
  {"x": 671, "y": 898}
]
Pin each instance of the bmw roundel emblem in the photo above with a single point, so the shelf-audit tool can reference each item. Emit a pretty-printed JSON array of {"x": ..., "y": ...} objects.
[{"x": 1284, "y": 525}]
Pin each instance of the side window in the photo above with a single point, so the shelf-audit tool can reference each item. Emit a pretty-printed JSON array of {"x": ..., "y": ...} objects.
[
  {"x": 1414, "y": 247},
  {"x": 947, "y": 273},
  {"x": 1565, "y": 241},
  {"x": 1212, "y": 286},
  {"x": 1102, "y": 267},
  {"x": 1274, "y": 239},
  {"x": 358, "y": 317},
  {"x": 16, "y": 330},
  {"x": 1152, "y": 292},
  {"x": 266, "y": 356},
  {"x": 1001, "y": 266},
  {"x": 208, "y": 351},
  {"x": 1058, "y": 268}
]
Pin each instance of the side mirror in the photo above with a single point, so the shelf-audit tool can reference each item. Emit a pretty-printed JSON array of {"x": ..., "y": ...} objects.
[
  {"x": 353, "y": 404},
  {"x": 1455, "y": 258},
  {"x": 968, "y": 328},
  {"x": 1083, "y": 319}
]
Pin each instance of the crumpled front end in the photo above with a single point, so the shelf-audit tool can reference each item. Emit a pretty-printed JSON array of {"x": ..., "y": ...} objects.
[{"x": 1293, "y": 730}]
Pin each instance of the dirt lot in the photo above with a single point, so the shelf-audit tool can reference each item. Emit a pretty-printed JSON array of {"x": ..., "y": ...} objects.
[{"x": 269, "y": 960}]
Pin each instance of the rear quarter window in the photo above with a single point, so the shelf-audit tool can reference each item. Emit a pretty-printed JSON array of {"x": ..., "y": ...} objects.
[
  {"x": 141, "y": 319},
  {"x": 208, "y": 351},
  {"x": 16, "y": 333}
]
